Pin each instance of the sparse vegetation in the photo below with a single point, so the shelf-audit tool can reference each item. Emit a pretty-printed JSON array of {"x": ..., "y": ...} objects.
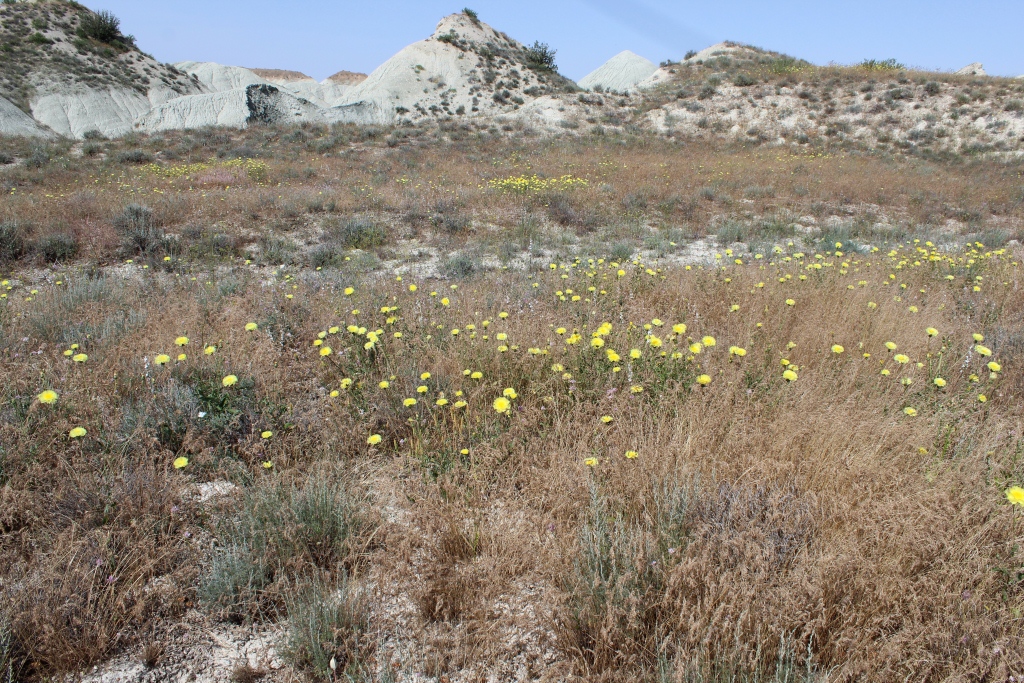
[
  {"x": 882, "y": 65},
  {"x": 238, "y": 331}
]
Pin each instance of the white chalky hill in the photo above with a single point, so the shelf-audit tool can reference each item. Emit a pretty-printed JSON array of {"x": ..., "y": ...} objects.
[{"x": 620, "y": 74}]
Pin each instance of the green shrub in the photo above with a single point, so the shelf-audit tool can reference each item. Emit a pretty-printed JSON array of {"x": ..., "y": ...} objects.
[
  {"x": 460, "y": 267},
  {"x": 540, "y": 57},
  {"x": 325, "y": 256},
  {"x": 882, "y": 65},
  {"x": 471, "y": 15},
  {"x": 58, "y": 247},
  {"x": 282, "y": 533},
  {"x": 759, "y": 192},
  {"x": 932, "y": 88},
  {"x": 448, "y": 217},
  {"x": 103, "y": 27},
  {"x": 40, "y": 157},
  {"x": 621, "y": 251},
  {"x": 613, "y": 588},
  {"x": 732, "y": 231},
  {"x": 134, "y": 156},
  {"x": 327, "y": 624},
  {"x": 5, "y": 158},
  {"x": 10, "y": 668},
  {"x": 276, "y": 251},
  {"x": 358, "y": 233},
  {"x": 744, "y": 80},
  {"x": 139, "y": 234},
  {"x": 12, "y": 242}
]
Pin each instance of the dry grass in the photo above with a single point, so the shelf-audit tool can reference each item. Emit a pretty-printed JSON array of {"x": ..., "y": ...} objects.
[
  {"x": 766, "y": 531},
  {"x": 431, "y": 188}
]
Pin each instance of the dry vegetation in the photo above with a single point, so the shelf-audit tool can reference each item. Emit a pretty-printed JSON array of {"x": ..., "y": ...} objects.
[{"x": 767, "y": 529}]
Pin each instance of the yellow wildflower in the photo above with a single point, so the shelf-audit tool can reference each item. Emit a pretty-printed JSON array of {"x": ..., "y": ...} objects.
[{"x": 1015, "y": 495}]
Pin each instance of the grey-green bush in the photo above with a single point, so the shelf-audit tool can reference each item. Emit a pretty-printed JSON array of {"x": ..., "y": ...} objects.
[
  {"x": 58, "y": 247},
  {"x": 12, "y": 242}
]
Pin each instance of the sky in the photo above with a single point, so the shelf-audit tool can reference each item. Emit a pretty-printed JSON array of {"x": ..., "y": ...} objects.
[{"x": 320, "y": 37}]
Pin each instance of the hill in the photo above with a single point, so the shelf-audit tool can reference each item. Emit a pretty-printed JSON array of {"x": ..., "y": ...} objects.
[
  {"x": 620, "y": 73},
  {"x": 74, "y": 71},
  {"x": 465, "y": 68}
]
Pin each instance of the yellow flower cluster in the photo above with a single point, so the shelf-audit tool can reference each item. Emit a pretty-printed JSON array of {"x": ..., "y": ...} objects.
[{"x": 523, "y": 184}]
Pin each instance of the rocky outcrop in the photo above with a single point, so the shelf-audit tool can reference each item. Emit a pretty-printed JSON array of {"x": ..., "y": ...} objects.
[
  {"x": 218, "y": 77},
  {"x": 74, "y": 111},
  {"x": 14, "y": 121},
  {"x": 620, "y": 74},
  {"x": 975, "y": 69},
  {"x": 327, "y": 93},
  {"x": 239, "y": 108}
]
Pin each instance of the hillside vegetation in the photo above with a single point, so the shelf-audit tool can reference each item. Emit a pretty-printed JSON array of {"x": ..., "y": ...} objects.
[{"x": 54, "y": 42}]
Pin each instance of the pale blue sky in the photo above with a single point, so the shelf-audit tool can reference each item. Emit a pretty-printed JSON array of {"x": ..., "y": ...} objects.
[{"x": 320, "y": 37}]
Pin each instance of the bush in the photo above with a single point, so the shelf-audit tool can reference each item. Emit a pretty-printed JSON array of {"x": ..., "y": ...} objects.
[
  {"x": 5, "y": 159},
  {"x": 134, "y": 156},
  {"x": 282, "y": 533},
  {"x": 12, "y": 242},
  {"x": 10, "y": 669},
  {"x": 743, "y": 80},
  {"x": 471, "y": 15},
  {"x": 58, "y": 247},
  {"x": 139, "y": 234},
  {"x": 932, "y": 88},
  {"x": 276, "y": 251},
  {"x": 459, "y": 267},
  {"x": 621, "y": 251},
  {"x": 358, "y": 233},
  {"x": 325, "y": 624},
  {"x": 40, "y": 157},
  {"x": 449, "y": 218},
  {"x": 732, "y": 231},
  {"x": 103, "y": 27},
  {"x": 706, "y": 92},
  {"x": 540, "y": 57},
  {"x": 882, "y": 65}
]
